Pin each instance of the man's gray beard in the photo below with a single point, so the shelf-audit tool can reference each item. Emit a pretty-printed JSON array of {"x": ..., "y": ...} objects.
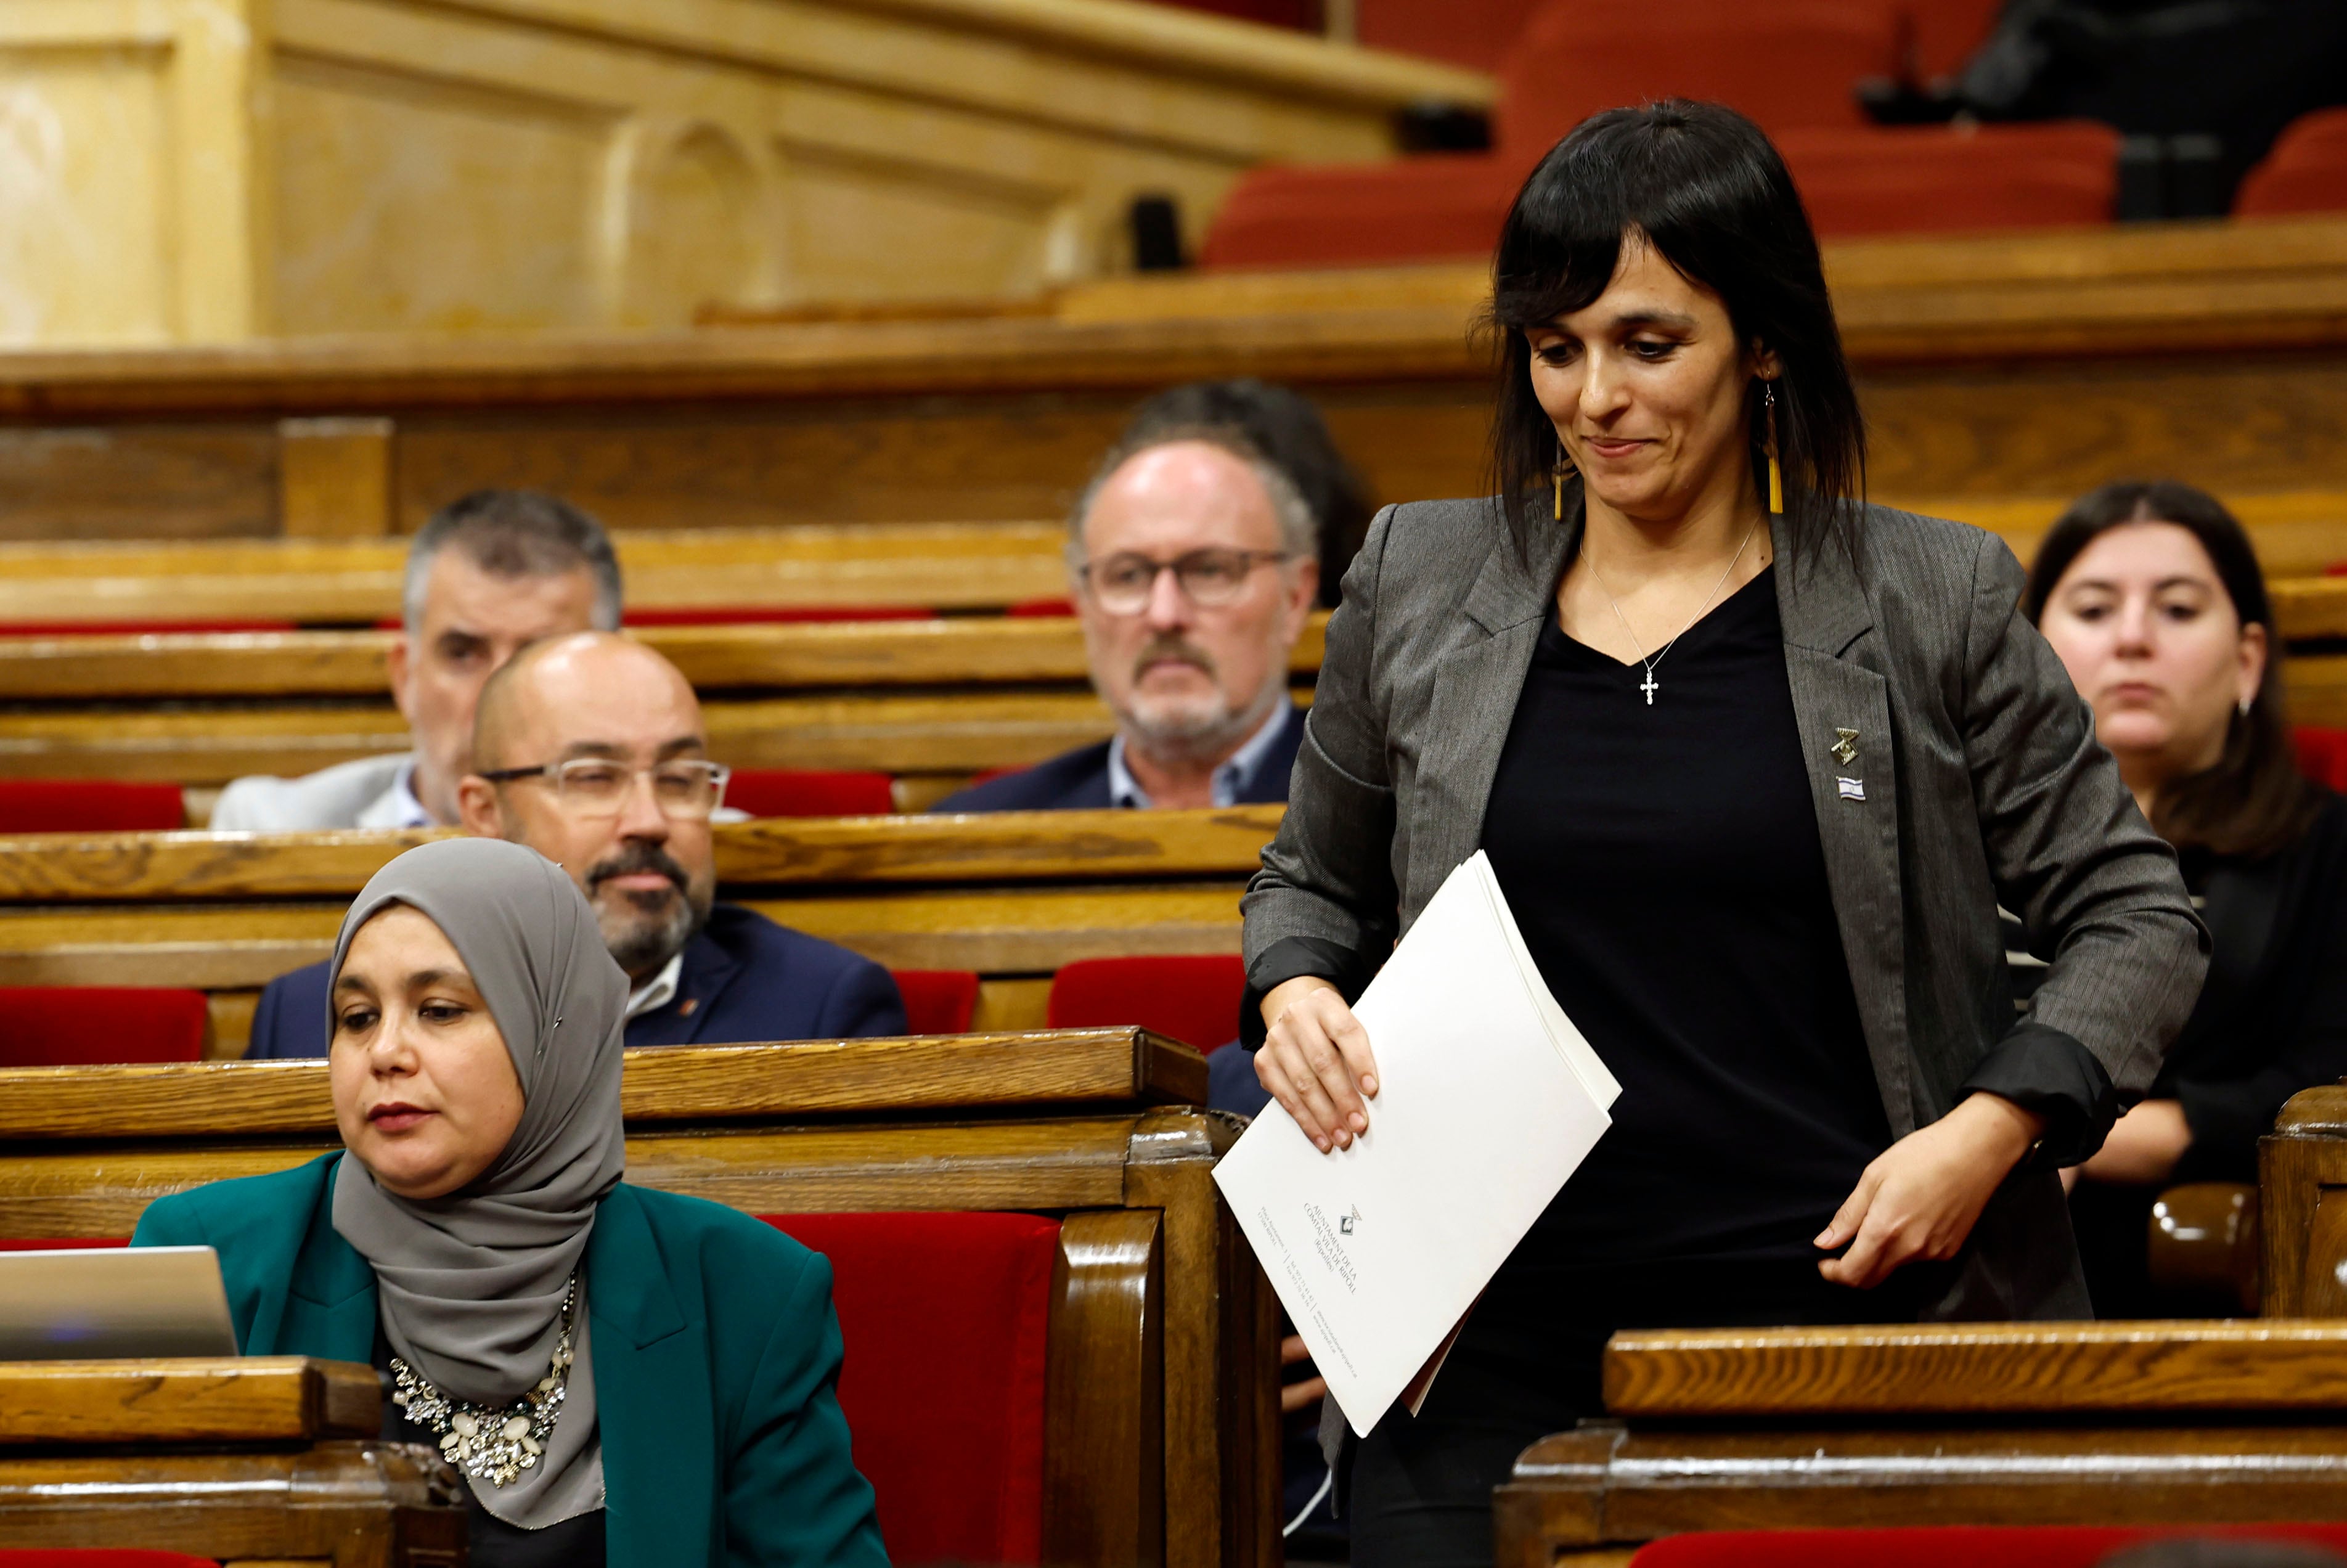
[
  {"x": 641, "y": 943},
  {"x": 1192, "y": 740}
]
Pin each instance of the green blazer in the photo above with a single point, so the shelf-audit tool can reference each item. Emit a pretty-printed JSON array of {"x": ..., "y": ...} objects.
[{"x": 716, "y": 1354}]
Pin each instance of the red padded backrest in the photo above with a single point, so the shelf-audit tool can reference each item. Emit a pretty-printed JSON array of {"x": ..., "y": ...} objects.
[
  {"x": 1941, "y": 34},
  {"x": 56, "y": 1026},
  {"x": 776, "y": 615},
  {"x": 90, "y": 806},
  {"x": 1787, "y": 64},
  {"x": 1941, "y": 1546},
  {"x": 136, "y": 627},
  {"x": 1934, "y": 179},
  {"x": 1195, "y": 999},
  {"x": 937, "y": 1002},
  {"x": 2305, "y": 172},
  {"x": 67, "y": 1244},
  {"x": 796, "y": 792},
  {"x": 1041, "y": 609},
  {"x": 2322, "y": 756},
  {"x": 946, "y": 1320}
]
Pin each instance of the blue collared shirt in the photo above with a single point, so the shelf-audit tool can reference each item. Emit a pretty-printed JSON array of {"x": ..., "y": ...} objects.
[{"x": 1234, "y": 775}]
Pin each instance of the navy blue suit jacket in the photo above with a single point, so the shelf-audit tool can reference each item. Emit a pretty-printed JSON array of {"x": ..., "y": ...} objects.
[
  {"x": 744, "y": 979},
  {"x": 1078, "y": 780}
]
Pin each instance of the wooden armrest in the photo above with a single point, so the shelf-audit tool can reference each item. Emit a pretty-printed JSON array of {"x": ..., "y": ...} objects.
[{"x": 2204, "y": 1240}]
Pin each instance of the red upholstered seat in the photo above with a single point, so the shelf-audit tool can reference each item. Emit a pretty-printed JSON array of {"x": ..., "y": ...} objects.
[
  {"x": 1925, "y": 179},
  {"x": 947, "y": 1319},
  {"x": 1941, "y": 1546},
  {"x": 57, "y": 1026},
  {"x": 1041, "y": 609},
  {"x": 2322, "y": 756},
  {"x": 773, "y": 615},
  {"x": 134, "y": 627},
  {"x": 1195, "y": 999},
  {"x": 33, "y": 1244},
  {"x": 1471, "y": 33},
  {"x": 937, "y": 1002},
  {"x": 2305, "y": 172},
  {"x": 1426, "y": 209},
  {"x": 1941, "y": 34},
  {"x": 90, "y": 805},
  {"x": 795, "y": 791}
]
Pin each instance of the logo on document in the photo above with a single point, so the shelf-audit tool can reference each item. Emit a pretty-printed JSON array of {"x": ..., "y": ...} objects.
[{"x": 1345, "y": 1226}]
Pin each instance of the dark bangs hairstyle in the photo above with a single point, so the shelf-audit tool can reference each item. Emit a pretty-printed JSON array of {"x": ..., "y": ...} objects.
[
  {"x": 2254, "y": 801},
  {"x": 1708, "y": 190}
]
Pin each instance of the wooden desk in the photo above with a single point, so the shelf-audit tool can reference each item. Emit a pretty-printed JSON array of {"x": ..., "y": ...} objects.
[
  {"x": 1012, "y": 896},
  {"x": 1160, "y": 1308},
  {"x": 2054, "y": 1424},
  {"x": 243, "y": 1459},
  {"x": 1989, "y": 367}
]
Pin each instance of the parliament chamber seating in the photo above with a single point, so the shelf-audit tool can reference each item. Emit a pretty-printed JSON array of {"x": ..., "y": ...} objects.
[
  {"x": 1009, "y": 897},
  {"x": 937, "y": 1002},
  {"x": 1058, "y": 1347},
  {"x": 1194, "y": 999},
  {"x": 97, "y": 1557},
  {"x": 2306, "y": 171},
  {"x": 1792, "y": 67},
  {"x": 801, "y": 791}
]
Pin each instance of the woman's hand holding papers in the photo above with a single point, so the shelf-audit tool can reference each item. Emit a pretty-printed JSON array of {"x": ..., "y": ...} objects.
[
  {"x": 1315, "y": 1062},
  {"x": 1921, "y": 1196}
]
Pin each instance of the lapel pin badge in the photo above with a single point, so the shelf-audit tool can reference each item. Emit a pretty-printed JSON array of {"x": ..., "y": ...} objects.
[
  {"x": 1851, "y": 789},
  {"x": 1845, "y": 746}
]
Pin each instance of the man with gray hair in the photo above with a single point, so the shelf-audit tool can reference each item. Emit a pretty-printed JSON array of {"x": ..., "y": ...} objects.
[
  {"x": 488, "y": 574},
  {"x": 1193, "y": 565}
]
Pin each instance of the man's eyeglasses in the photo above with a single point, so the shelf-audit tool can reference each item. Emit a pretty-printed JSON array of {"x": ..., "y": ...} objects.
[
  {"x": 688, "y": 789},
  {"x": 1122, "y": 583}
]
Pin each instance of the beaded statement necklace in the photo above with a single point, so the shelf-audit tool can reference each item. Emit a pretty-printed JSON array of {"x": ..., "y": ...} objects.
[{"x": 491, "y": 1444}]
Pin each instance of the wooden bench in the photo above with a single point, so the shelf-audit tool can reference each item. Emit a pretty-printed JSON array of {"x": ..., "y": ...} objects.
[
  {"x": 946, "y": 566},
  {"x": 247, "y": 1460},
  {"x": 2190, "y": 1424},
  {"x": 1161, "y": 1403},
  {"x": 1012, "y": 896},
  {"x": 932, "y": 700},
  {"x": 1989, "y": 367}
]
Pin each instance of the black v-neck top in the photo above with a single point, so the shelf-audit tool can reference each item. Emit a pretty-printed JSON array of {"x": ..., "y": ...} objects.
[{"x": 1663, "y": 863}]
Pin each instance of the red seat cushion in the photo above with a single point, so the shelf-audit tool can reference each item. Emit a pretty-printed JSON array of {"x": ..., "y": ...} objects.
[
  {"x": 1788, "y": 64},
  {"x": 2322, "y": 756},
  {"x": 135, "y": 628},
  {"x": 1417, "y": 209},
  {"x": 947, "y": 1319},
  {"x": 774, "y": 615},
  {"x": 937, "y": 1002},
  {"x": 90, "y": 806},
  {"x": 1193, "y": 999},
  {"x": 2305, "y": 172},
  {"x": 57, "y": 1026},
  {"x": 796, "y": 792},
  {"x": 1927, "y": 179},
  {"x": 1941, "y": 1546}
]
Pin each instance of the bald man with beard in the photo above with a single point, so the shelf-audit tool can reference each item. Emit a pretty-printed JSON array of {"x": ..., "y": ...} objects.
[{"x": 591, "y": 750}]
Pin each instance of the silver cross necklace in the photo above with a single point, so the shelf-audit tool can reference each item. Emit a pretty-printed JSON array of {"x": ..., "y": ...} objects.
[{"x": 1650, "y": 685}]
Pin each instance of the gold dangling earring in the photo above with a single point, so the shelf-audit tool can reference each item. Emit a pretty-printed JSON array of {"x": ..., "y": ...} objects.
[
  {"x": 1557, "y": 473},
  {"x": 1776, "y": 476}
]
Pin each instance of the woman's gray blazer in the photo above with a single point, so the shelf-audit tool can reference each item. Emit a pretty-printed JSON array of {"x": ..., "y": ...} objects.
[{"x": 1981, "y": 784}]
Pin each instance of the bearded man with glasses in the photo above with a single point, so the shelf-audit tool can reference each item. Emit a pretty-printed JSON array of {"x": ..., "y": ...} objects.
[
  {"x": 1192, "y": 560},
  {"x": 591, "y": 750}
]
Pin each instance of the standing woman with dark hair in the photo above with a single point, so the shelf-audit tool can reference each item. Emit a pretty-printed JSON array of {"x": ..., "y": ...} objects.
[
  {"x": 1755, "y": 763},
  {"x": 2151, "y": 595}
]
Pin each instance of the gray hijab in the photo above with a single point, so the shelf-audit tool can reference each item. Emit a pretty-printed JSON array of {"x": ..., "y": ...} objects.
[{"x": 470, "y": 1285}]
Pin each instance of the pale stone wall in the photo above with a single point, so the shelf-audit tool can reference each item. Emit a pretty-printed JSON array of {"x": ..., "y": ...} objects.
[{"x": 209, "y": 170}]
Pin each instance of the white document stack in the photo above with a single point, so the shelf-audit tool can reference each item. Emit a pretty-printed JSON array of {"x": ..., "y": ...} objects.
[{"x": 1488, "y": 1098}]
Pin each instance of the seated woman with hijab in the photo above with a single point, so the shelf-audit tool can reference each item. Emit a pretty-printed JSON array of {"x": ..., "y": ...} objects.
[
  {"x": 620, "y": 1375},
  {"x": 2152, "y": 596}
]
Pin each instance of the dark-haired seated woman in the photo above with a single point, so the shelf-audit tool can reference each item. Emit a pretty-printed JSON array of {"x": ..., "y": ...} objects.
[
  {"x": 2152, "y": 596},
  {"x": 620, "y": 1375}
]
